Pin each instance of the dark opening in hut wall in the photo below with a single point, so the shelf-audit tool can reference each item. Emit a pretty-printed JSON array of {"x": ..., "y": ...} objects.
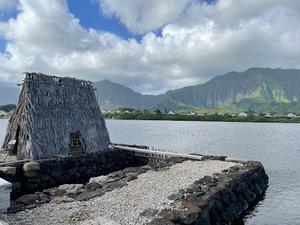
[{"x": 51, "y": 108}]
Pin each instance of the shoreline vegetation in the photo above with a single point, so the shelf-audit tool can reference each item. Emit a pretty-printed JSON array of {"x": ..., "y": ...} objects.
[
  {"x": 131, "y": 114},
  {"x": 6, "y": 111}
]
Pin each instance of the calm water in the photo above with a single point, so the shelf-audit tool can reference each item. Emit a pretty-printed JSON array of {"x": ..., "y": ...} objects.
[{"x": 277, "y": 146}]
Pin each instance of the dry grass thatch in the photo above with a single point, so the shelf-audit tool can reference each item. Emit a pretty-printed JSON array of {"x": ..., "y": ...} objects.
[{"x": 50, "y": 109}]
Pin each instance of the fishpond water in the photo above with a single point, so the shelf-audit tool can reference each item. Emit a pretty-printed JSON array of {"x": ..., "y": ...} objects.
[{"x": 276, "y": 145}]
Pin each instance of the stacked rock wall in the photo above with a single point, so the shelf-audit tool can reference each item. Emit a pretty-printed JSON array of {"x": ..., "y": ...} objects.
[
  {"x": 28, "y": 177},
  {"x": 217, "y": 200}
]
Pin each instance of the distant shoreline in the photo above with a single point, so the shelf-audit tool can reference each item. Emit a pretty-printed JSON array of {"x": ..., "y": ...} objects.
[
  {"x": 208, "y": 118},
  {"x": 200, "y": 118}
]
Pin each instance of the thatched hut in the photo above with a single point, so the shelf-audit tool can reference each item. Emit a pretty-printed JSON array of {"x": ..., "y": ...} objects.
[{"x": 56, "y": 116}]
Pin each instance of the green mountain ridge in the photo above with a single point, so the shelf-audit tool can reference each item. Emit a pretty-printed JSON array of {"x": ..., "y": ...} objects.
[{"x": 258, "y": 89}]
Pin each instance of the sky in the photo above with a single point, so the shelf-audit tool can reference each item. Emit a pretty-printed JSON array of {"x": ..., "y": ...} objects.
[{"x": 151, "y": 46}]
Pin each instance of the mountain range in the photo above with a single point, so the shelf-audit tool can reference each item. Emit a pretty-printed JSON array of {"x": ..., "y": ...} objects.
[{"x": 257, "y": 89}]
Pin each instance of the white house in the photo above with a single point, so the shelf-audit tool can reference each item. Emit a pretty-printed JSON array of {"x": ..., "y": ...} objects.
[
  {"x": 2, "y": 112},
  {"x": 291, "y": 115},
  {"x": 243, "y": 114},
  {"x": 268, "y": 115},
  {"x": 171, "y": 113}
]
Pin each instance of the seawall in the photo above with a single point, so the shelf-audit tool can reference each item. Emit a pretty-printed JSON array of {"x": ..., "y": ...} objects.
[
  {"x": 217, "y": 200},
  {"x": 29, "y": 177}
]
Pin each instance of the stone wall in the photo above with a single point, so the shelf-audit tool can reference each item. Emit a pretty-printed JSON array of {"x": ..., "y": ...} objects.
[
  {"x": 29, "y": 177},
  {"x": 217, "y": 200}
]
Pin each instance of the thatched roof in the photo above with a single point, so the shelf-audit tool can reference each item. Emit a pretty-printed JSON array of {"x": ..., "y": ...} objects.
[{"x": 50, "y": 110}]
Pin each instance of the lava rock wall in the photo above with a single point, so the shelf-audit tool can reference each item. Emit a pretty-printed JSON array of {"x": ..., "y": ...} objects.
[
  {"x": 217, "y": 200},
  {"x": 29, "y": 177}
]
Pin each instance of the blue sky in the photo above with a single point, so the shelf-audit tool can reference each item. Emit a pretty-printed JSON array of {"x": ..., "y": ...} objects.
[
  {"x": 4, "y": 16},
  {"x": 90, "y": 16}
]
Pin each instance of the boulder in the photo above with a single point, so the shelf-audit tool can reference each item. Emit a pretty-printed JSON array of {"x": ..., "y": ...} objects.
[
  {"x": 131, "y": 169},
  {"x": 115, "y": 184},
  {"x": 99, "y": 179},
  {"x": 71, "y": 189},
  {"x": 174, "y": 197},
  {"x": 191, "y": 206},
  {"x": 43, "y": 198},
  {"x": 86, "y": 195},
  {"x": 28, "y": 199},
  {"x": 8, "y": 170},
  {"x": 31, "y": 166},
  {"x": 53, "y": 192},
  {"x": 93, "y": 186},
  {"x": 31, "y": 174}
]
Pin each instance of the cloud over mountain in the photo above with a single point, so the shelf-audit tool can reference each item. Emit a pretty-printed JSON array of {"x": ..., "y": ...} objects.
[{"x": 197, "y": 41}]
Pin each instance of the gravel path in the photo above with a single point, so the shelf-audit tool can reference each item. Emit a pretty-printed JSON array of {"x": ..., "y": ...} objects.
[{"x": 124, "y": 206}]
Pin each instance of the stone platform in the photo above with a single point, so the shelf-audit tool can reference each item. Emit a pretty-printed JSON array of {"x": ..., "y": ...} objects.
[{"x": 208, "y": 192}]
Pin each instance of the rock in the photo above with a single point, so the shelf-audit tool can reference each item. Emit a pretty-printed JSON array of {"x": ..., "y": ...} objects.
[
  {"x": 116, "y": 184},
  {"x": 119, "y": 174},
  {"x": 86, "y": 195},
  {"x": 149, "y": 213},
  {"x": 16, "y": 186},
  {"x": 43, "y": 198},
  {"x": 8, "y": 170},
  {"x": 31, "y": 173},
  {"x": 170, "y": 215},
  {"x": 71, "y": 189},
  {"x": 62, "y": 199},
  {"x": 160, "y": 221},
  {"x": 31, "y": 206},
  {"x": 112, "y": 179},
  {"x": 99, "y": 179},
  {"x": 14, "y": 207},
  {"x": 191, "y": 206},
  {"x": 93, "y": 186},
  {"x": 56, "y": 172},
  {"x": 31, "y": 166},
  {"x": 72, "y": 171},
  {"x": 53, "y": 192},
  {"x": 45, "y": 178},
  {"x": 130, "y": 178},
  {"x": 145, "y": 168},
  {"x": 28, "y": 199},
  {"x": 131, "y": 169},
  {"x": 174, "y": 197}
]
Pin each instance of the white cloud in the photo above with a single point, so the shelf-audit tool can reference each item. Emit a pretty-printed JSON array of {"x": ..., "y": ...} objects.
[
  {"x": 204, "y": 41},
  {"x": 140, "y": 16}
]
